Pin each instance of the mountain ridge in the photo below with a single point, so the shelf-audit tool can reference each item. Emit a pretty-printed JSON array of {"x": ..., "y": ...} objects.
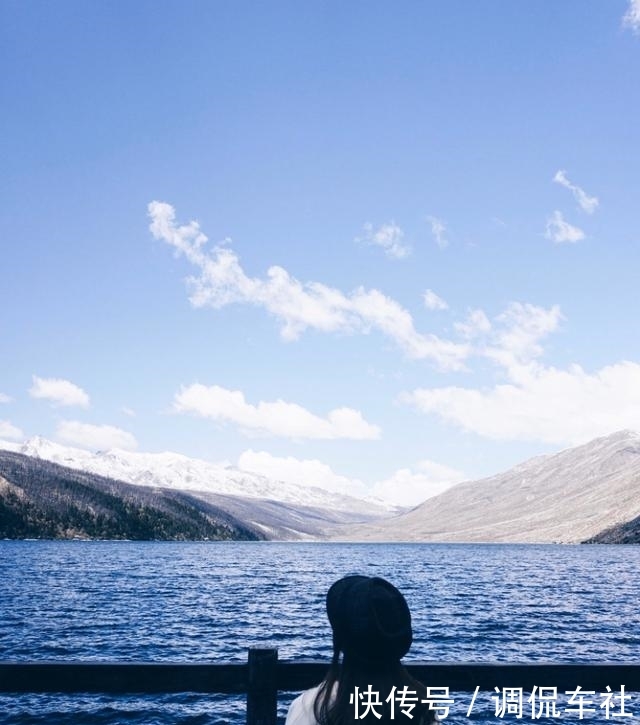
[
  {"x": 41, "y": 499},
  {"x": 266, "y": 518},
  {"x": 177, "y": 471},
  {"x": 568, "y": 497},
  {"x": 585, "y": 493}
]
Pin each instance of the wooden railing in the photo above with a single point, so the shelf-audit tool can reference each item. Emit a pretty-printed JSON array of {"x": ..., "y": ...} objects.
[{"x": 263, "y": 676}]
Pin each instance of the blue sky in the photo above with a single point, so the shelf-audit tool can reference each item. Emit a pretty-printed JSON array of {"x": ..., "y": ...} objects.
[{"x": 421, "y": 219}]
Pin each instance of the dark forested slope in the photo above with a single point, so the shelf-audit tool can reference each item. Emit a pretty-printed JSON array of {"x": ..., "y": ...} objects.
[
  {"x": 626, "y": 533},
  {"x": 39, "y": 499}
]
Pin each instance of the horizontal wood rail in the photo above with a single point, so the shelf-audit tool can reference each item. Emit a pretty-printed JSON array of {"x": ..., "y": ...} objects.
[{"x": 263, "y": 676}]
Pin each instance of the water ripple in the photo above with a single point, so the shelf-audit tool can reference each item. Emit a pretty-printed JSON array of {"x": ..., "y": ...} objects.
[{"x": 210, "y": 601}]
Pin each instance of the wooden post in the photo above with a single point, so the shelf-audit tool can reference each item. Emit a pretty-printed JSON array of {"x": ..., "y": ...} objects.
[{"x": 262, "y": 693}]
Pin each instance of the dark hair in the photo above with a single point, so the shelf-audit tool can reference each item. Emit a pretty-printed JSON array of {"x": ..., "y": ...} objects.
[{"x": 371, "y": 626}]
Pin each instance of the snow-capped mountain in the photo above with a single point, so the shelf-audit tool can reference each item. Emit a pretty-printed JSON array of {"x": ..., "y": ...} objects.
[
  {"x": 175, "y": 471},
  {"x": 42, "y": 500},
  {"x": 567, "y": 497}
]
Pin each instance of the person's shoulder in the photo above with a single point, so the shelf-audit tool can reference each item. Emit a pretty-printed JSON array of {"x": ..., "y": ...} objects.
[{"x": 301, "y": 709}]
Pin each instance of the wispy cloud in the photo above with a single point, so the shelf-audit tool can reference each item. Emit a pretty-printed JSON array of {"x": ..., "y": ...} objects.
[
  {"x": 513, "y": 338},
  {"x": 5, "y": 398},
  {"x": 587, "y": 203},
  {"x": 560, "y": 231},
  {"x": 433, "y": 302},
  {"x": 476, "y": 323},
  {"x": 517, "y": 334},
  {"x": 278, "y": 418},
  {"x": 631, "y": 18},
  {"x": 412, "y": 486},
  {"x": 94, "y": 437},
  {"x": 439, "y": 231},
  {"x": 388, "y": 237},
  {"x": 59, "y": 392},
  {"x": 128, "y": 411},
  {"x": 405, "y": 487},
  {"x": 538, "y": 402},
  {"x": 308, "y": 472},
  {"x": 10, "y": 432},
  {"x": 297, "y": 306}
]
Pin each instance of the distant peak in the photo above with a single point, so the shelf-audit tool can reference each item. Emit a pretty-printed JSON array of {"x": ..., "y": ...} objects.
[
  {"x": 625, "y": 433},
  {"x": 619, "y": 437},
  {"x": 37, "y": 443}
]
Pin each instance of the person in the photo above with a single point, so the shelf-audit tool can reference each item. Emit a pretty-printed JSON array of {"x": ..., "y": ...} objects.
[{"x": 371, "y": 625}]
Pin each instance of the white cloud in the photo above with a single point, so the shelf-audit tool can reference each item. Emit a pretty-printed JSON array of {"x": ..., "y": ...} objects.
[
  {"x": 277, "y": 418},
  {"x": 302, "y": 472},
  {"x": 59, "y": 392},
  {"x": 128, "y": 411},
  {"x": 408, "y": 487},
  {"x": 297, "y": 306},
  {"x": 389, "y": 237},
  {"x": 94, "y": 437},
  {"x": 631, "y": 18},
  {"x": 439, "y": 231},
  {"x": 405, "y": 487},
  {"x": 476, "y": 323},
  {"x": 10, "y": 431},
  {"x": 5, "y": 398},
  {"x": 517, "y": 333},
  {"x": 559, "y": 231},
  {"x": 513, "y": 338},
  {"x": 539, "y": 402},
  {"x": 587, "y": 203},
  {"x": 546, "y": 404},
  {"x": 433, "y": 302}
]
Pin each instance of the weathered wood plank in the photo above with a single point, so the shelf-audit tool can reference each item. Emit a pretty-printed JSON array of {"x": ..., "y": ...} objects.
[
  {"x": 294, "y": 676},
  {"x": 466, "y": 677},
  {"x": 122, "y": 677},
  {"x": 132, "y": 677},
  {"x": 262, "y": 697}
]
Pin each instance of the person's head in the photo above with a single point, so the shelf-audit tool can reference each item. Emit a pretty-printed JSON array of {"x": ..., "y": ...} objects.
[
  {"x": 370, "y": 620},
  {"x": 371, "y": 626}
]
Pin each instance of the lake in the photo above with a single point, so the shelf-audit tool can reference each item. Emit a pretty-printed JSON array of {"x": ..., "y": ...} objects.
[{"x": 210, "y": 601}]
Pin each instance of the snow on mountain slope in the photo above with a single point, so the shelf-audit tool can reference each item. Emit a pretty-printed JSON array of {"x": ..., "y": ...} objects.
[
  {"x": 173, "y": 470},
  {"x": 564, "y": 497}
]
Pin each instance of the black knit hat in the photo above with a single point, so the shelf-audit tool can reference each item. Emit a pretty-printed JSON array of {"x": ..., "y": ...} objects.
[{"x": 370, "y": 619}]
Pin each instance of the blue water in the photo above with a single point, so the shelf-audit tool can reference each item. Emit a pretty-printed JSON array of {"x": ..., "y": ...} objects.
[{"x": 124, "y": 601}]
